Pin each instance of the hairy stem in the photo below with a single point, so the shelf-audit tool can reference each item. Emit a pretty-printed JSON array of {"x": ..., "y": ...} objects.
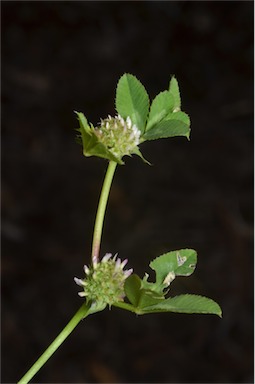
[{"x": 101, "y": 210}]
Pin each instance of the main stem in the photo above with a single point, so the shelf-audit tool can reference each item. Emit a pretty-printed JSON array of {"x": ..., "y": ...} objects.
[
  {"x": 101, "y": 210},
  {"x": 84, "y": 310}
]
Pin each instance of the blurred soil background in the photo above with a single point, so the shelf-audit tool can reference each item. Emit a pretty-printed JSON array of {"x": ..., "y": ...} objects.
[{"x": 58, "y": 57}]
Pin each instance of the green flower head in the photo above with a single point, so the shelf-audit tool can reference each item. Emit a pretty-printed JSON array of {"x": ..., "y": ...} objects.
[
  {"x": 104, "y": 280},
  {"x": 119, "y": 135},
  {"x": 136, "y": 121}
]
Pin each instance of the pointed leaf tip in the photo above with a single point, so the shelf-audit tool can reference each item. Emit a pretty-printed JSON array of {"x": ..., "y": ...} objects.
[{"x": 174, "y": 90}]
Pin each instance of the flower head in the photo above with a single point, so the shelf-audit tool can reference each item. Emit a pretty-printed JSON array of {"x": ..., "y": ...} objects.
[
  {"x": 104, "y": 280},
  {"x": 136, "y": 121},
  {"x": 119, "y": 135}
]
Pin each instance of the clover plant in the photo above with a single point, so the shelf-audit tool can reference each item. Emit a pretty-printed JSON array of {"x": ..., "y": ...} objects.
[{"x": 106, "y": 282}]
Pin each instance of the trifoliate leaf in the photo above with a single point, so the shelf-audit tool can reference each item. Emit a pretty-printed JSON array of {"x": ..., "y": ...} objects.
[
  {"x": 146, "y": 297},
  {"x": 174, "y": 90},
  {"x": 186, "y": 304},
  {"x": 161, "y": 106},
  {"x": 167, "y": 128},
  {"x": 132, "y": 100}
]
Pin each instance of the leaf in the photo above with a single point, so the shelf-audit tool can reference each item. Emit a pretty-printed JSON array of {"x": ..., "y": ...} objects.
[
  {"x": 132, "y": 289},
  {"x": 132, "y": 100},
  {"x": 138, "y": 296},
  {"x": 167, "y": 128},
  {"x": 181, "y": 116},
  {"x": 161, "y": 106},
  {"x": 146, "y": 297},
  {"x": 91, "y": 145},
  {"x": 186, "y": 304},
  {"x": 83, "y": 123},
  {"x": 171, "y": 264},
  {"x": 137, "y": 152},
  {"x": 174, "y": 90}
]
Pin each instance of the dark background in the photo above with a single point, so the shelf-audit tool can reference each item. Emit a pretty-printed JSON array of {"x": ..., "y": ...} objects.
[{"x": 58, "y": 57}]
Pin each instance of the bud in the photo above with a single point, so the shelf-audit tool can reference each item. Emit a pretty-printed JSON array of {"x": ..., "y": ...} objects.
[{"x": 104, "y": 280}]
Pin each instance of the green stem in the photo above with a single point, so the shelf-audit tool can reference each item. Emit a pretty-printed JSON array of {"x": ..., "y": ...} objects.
[
  {"x": 80, "y": 314},
  {"x": 101, "y": 210},
  {"x": 85, "y": 309}
]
